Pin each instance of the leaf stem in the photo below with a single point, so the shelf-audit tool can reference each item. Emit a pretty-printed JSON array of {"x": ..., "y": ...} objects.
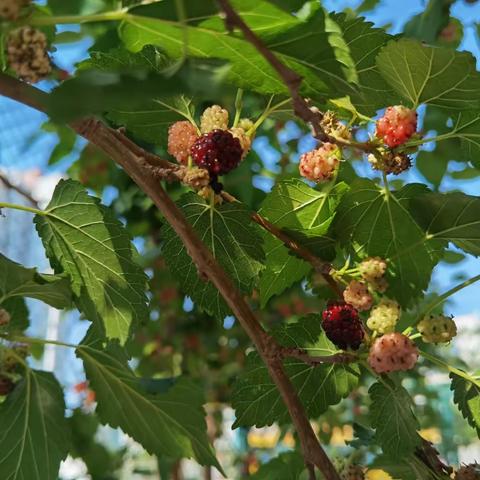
[
  {"x": 23, "y": 208},
  {"x": 77, "y": 19},
  {"x": 456, "y": 371},
  {"x": 238, "y": 107},
  {"x": 447, "y": 294},
  {"x": 36, "y": 341}
]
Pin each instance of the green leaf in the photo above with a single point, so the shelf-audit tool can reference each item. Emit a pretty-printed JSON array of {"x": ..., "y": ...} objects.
[
  {"x": 323, "y": 61},
  {"x": 152, "y": 122},
  {"x": 287, "y": 466},
  {"x": 364, "y": 42},
  {"x": 377, "y": 222},
  {"x": 289, "y": 5},
  {"x": 99, "y": 460},
  {"x": 294, "y": 205},
  {"x": 436, "y": 76},
  {"x": 255, "y": 397},
  {"x": 392, "y": 417},
  {"x": 66, "y": 141},
  {"x": 427, "y": 25},
  {"x": 306, "y": 214},
  {"x": 171, "y": 424},
  {"x": 33, "y": 432},
  {"x": 116, "y": 80},
  {"x": 453, "y": 217},
  {"x": 17, "y": 308},
  {"x": 467, "y": 129},
  {"x": 228, "y": 232},
  {"x": 85, "y": 241},
  {"x": 367, "y": 5},
  {"x": 466, "y": 395},
  {"x": 282, "y": 269},
  {"x": 18, "y": 281}
]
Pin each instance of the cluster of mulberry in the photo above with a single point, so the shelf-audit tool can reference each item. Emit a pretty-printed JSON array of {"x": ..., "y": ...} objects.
[
  {"x": 214, "y": 147},
  {"x": 27, "y": 53}
]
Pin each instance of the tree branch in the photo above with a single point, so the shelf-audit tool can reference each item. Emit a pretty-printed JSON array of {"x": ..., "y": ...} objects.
[
  {"x": 290, "y": 78},
  {"x": 322, "y": 267},
  {"x": 19, "y": 190},
  {"x": 132, "y": 158}
]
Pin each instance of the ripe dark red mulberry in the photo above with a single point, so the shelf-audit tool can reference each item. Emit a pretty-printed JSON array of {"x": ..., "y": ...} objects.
[
  {"x": 343, "y": 326},
  {"x": 217, "y": 151}
]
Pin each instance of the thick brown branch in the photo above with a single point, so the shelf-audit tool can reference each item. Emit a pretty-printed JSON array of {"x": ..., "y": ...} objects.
[
  {"x": 131, "y": 158},
  {"x": 18, "y": 189}
]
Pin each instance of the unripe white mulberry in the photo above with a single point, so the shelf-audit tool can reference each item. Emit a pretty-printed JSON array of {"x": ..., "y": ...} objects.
[
  {"x": 384, "y": 316},
  {"x": 357, "y": 295},
  {"x": 181, "y": 136},
  {"x": 372, "y": 268},
  {"x": 246, "y": 124},
  {"x": 321, "y": 164},
  {"x": 27, "y": 54},
  {"x": 214, "y": 118},
  {"x": 392, "y": 352},
  {"x": 437, "y": 329}
]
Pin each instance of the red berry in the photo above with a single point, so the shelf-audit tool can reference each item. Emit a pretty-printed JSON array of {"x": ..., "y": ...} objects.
[
  {"x": 397, "y": 125},
  {"x": 217, "y": 151},
  {"x": 342, "y": 325}
]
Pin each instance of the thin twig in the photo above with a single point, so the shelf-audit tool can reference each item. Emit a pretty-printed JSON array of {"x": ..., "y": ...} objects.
[
  {"x": 132, "y": 159},
  {"x": 290, "y": 78},
  {"x": 19, "y": 190},
  {"x": 319, "y": 265}
]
